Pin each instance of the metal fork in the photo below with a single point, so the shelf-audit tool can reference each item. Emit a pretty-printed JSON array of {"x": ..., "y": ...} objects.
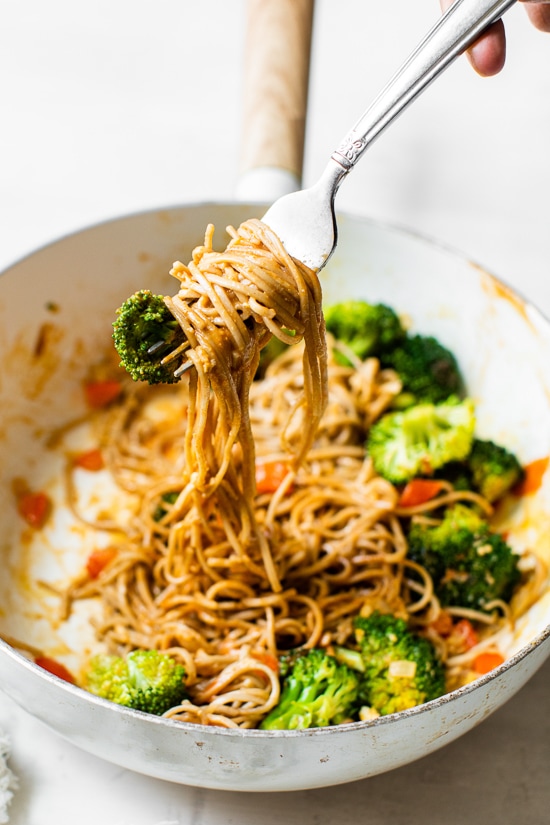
[{"x": 305, "y": 220}]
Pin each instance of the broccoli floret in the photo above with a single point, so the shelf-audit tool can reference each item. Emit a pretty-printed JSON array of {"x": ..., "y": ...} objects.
[
  {"x": 489, "y": 469},
  {"x": 145, "y": 680},
  {"x": 458, "y": 473},
  {"x": 367, "y": 329},
  {"x": 419, "y": 440},
  {"x": 317, "y": 691},
  {"x": 401, "y": 668},
  {"x": 469, "y": 564},
  {"x": 144, "y": 332},
  {"x": 429, "y": 371},
  {"x": 493, "y": 468}
]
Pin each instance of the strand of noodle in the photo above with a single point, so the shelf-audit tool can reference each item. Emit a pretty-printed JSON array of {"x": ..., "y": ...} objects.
[
  {"x": 269, "y": 633},
  {"x": 232, "y": 321},
  {"x": 473, "y": 615},
  {"x": 426, "y": 588},
  {"x": 199, "y": 554},
  {"x": 278, "y": 495},
  {"x": 233, "y": 672},
  {"x": 536, "y": 582},
  {"x": 341, "y": 605},
  {"x": 279, "y": 306},
  {"x": 316, "y": 624},
  {"x": 227, "y": 588},
  {"x": 446, "y": 500}
]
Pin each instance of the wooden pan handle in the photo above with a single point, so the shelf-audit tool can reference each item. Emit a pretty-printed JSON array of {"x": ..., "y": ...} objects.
[{"x": 277, "y": 57}]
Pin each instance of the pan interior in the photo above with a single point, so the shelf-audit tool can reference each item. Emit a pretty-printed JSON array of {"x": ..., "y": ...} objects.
[{"x": 56, "y": 310}]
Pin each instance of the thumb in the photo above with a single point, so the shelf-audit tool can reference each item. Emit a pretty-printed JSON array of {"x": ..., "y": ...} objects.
[
  {"x": 539, "y": 15},
  {"x": 487, "y": 55}
]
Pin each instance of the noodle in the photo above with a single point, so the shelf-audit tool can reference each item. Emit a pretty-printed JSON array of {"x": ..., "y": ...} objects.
[
  {"x": 221, "y": 574},
  {"x": 228, "y": 305}
]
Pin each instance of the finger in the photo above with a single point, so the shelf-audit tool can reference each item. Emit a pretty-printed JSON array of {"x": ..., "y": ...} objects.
[
  {"x": 487, "y": 55},
  {"x": 539, "y": 15}
]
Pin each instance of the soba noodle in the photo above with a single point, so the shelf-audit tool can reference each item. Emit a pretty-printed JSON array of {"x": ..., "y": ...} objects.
[{"x": 219, "y": 574}]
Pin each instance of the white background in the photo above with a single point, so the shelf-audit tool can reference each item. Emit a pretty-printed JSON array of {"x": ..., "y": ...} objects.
[{"x": 122, "y": 105}]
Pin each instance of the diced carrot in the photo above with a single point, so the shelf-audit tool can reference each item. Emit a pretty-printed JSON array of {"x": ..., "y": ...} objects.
[
  {"x": 418, "y": 491},
  {"x": 100, "y": 393},
  {"x": 91, "y": 460},
  {"x": 56, "y": 668},
  {"x": 487, "y": 661},
  {"x": 269, "y": 476},
  {"x": 466, "y": 632},
  {"x": 443, "y": 624},
  {"x": 34, "y": 508},
  {"x": 532, "y": 478},
  {"x": 268, "y": 660},
  {"x": 98, "y": 560}
]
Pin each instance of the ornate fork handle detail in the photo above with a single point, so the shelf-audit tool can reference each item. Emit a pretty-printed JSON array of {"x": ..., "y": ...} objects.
[{"x": 350, "y": 149}]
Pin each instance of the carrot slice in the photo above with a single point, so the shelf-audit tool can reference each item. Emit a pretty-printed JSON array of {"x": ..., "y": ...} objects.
[
  {"x": 532, "y": 479},
  {"x": 487, "y": 661},
  {"x": 98, "y": 560},
  {"x": 56, "y": 668},
  {"x": 466, "y": 632},
  {"x": 268, "y": 660},
  {"x": 418, "y": 491},
  {"x": 34, "y": 508},
  {"x": 269, "y": 476},
  {"x": 91, "y": 460},
  {"x": 443, "y": 624},
  {"x": 100, "y": 393}
]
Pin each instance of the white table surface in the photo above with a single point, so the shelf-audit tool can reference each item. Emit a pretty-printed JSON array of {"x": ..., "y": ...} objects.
[{"x": 116, "y": 106}]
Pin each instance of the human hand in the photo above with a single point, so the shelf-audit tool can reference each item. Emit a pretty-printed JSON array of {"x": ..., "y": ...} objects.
[{"x": 488, "y": 54}]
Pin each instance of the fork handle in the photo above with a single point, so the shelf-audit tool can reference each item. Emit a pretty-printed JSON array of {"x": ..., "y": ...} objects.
[
  {"x": 454, "y": 32},
  {"x": 277, "y": 62}
]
